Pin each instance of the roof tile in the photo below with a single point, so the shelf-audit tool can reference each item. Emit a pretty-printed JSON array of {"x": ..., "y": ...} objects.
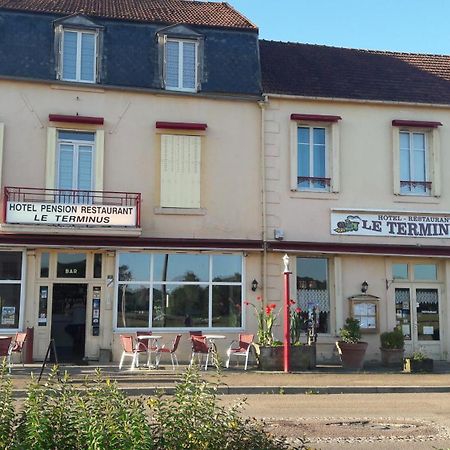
[
  {"x": 214, "y": 14},
  {"x": 332, "y": 72}
]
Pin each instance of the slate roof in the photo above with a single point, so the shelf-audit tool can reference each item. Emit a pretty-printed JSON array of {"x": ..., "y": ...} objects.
[
  {"x": 332, "y": 72},
  {"x": 214, "y": 14}
]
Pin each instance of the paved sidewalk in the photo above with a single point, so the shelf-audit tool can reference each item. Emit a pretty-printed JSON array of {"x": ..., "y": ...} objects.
[{"x": 323, "y": 380}]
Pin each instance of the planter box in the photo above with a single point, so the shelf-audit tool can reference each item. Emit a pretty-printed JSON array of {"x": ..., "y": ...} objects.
[
  {"x": 301, "y": 357},
  {"x": 412, "y": 366},
  {"x": 352, "y": 355},
  {"x": 392, "y": 357}
]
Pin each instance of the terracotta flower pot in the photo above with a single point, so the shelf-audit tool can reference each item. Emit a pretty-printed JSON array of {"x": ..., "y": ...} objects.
[{"x": 352, "y": 355}]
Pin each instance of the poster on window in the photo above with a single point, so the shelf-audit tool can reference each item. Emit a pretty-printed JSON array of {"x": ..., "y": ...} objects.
[{"x": 8, "y": 315}]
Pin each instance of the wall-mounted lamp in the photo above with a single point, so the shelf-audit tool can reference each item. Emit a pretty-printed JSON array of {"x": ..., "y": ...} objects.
[
  {"x": 364, "y": 287},
  {"x": 254, "y": 285}
]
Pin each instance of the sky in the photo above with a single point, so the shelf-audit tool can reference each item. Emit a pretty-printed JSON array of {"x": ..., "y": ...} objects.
[{"x": 414, "y": 26}]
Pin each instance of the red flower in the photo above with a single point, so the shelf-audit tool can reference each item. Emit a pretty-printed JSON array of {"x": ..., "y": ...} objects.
[
  {"x": 246, "y": 303},
  {"x": 259, "y": 298},
  {"x": 272, "y": 306},
  {"x": 291, "y": 302},
  {"x": 268, "y": 310},
  {"x": 298, "y": 310}
]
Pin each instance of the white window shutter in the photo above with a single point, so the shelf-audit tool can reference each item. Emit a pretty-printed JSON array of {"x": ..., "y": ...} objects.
[
  {"x": 396, "y": 160},
  {"x": 334, "y": 149},
  {"x": 50, "y": 161},
  {"x": 434, "y": 148},
  {"x": 58, "y": 51},
  {"x": 180, "y": 171}
]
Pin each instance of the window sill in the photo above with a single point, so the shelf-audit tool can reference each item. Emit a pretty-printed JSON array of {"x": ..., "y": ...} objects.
[
  {"x": 430, "y": 200},
  {"x": 175, "y": 89},
  {"x": 181, "y": 211},
  {"x": 76, "y": 86},
  {"x": 324, "y": 195}
]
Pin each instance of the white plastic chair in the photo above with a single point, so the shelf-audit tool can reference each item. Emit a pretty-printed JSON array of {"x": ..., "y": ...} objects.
[{"x": 245, "y": 344}]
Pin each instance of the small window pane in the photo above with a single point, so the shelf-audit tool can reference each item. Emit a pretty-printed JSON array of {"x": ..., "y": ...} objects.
[
  {"x": 227, "y": 268},
  {"x": 425, "y": 272},
  {"x": 70, "y": 55},
  {"x": 134, "y": 266},
  {"x": 319, "y": 136},
  {"x": 98, "y": 265},
  {"x": 9, "y": 305},
  {"x": 189, "y": 65},
  {"x": 45, "y": 264},
  {"x": 10, "y": 265},
  {"x": 400, "y": 271},
  {"x": 419, "y": 141},
  {"x": 71, "y": 265},
  {"x": 226, "y": 306},
  {"x": 404, "y": 141},
  {"x": 180, "y": 306},
  {"x": 65, "y": 135},
  {"x": 172, "y": 64},
  {"x": 87, "y": 57},
  {"x": 181, "y": 267},
  {"x": 133, "y": 306}
]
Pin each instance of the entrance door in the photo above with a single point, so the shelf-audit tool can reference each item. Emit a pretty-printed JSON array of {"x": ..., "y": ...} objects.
[
  {"x": 69, "y": 321},
  {"x": 418, "y": 314}
]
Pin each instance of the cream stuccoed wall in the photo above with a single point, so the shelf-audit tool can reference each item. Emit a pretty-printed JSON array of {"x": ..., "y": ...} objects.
[
  {"x": 365, "y": 168},
  {"x": 230, "y": 181},
  {"x": 366, "y": 182}
]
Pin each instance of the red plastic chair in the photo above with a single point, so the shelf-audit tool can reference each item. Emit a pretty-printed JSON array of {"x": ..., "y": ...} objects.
[
  {"x": 171, "y": 351},
  {"x": 199, "y": 349},
  {"x": 245, "y": 344},
  {"x": 131, "y": 349},
  {"x": 18, "y": 344},
  {"x": 5, "y": 351},
  {"x": 149, "y": 345},
  {"x": 195, "y": 333}
]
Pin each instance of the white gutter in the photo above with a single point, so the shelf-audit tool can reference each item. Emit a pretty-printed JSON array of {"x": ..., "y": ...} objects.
[{"x": 351, "y": 100}]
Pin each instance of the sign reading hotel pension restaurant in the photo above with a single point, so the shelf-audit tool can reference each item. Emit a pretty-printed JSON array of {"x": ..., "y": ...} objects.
[
  {"x": 70, "y": 214},
  {"x": 355, "y": 223}
]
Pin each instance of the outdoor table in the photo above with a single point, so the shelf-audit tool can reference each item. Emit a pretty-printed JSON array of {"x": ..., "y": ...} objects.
[
  {"x": 150, "y": 337},
  {"x": 212, "y": 340}
]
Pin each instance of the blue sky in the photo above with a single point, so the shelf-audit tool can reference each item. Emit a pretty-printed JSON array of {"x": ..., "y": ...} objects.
[{"x": 417, "y": 26}]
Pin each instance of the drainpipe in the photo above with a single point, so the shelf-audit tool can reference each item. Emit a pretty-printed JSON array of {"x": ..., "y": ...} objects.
[{"x": 262, "y": 105}]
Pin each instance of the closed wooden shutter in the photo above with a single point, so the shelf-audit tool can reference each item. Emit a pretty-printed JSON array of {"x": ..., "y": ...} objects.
[{"x": 180, "y": 171}]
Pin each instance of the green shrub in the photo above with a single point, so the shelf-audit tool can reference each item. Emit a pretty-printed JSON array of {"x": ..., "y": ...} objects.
[
  {"x": 392, "y": 339},
  {"x": 56, "y": 416},
  {"x": 351, "y": 331},
  {"x": 7, "y": 418}
]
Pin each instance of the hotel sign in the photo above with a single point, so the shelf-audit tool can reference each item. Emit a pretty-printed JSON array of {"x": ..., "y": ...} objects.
[
  {"x": 70, "y": 214},
  {"x": 355, "y": 223}
]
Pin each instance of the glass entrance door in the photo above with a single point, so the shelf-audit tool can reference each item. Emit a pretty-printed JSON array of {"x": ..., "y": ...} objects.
[
  {"x": 418, "y": 315},
  {"x": 69, "y": 321}
]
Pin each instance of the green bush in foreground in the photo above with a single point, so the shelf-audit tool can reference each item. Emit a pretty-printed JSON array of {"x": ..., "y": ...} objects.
[{"x": 55, "y": 416}]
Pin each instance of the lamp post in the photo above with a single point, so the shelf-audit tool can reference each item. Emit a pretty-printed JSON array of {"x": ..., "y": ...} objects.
[{"x": 287, "y": 337}]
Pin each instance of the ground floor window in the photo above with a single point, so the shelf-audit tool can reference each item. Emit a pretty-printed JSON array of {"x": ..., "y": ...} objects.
[
  {"x": 11, "y": 275},
  {"x": 179, "y": 290},
  {"x": 313, "y": 291}
]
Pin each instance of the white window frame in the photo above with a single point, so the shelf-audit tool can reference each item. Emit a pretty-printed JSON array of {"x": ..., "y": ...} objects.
[
  {"x": 76, "y": 143},
  {"x": 432, "y": 161},
  {"x": 332, "y": 150},
  {"x": 180, "y": 86},
  {"x": 22, "y": 284},
  {"x": 151, "y": 282},
  {"x": 78, "y": 56}
]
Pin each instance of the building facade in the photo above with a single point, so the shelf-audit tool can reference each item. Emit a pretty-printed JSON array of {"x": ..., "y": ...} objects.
[
  {"x": 356, "y": 190},
  {"x": 124, "y": 207}
]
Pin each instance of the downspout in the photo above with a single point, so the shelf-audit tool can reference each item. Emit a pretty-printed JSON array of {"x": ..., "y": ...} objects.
[{"x": 263, "y": 105}]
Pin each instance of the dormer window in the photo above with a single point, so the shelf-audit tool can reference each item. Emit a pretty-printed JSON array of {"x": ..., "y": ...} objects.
[
  {"x": 77, "y": 47},
  {"x": 79, "y": 56},
  {"x": 181, "y": 51},
  {"x": 181, "y": 65}
]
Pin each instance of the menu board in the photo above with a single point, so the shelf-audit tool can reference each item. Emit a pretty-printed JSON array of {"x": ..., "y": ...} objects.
[{"x": 366, "y": 312}]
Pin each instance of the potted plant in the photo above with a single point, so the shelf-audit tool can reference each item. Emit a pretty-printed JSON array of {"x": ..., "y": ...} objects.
[
  {"x": 418, "y": 362},
  {"x": 302, "y": 355},
  {"x": 269, "y": 351},
  {"x": 351, "y": 349},
  {"x": 392, "y": 348}
]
